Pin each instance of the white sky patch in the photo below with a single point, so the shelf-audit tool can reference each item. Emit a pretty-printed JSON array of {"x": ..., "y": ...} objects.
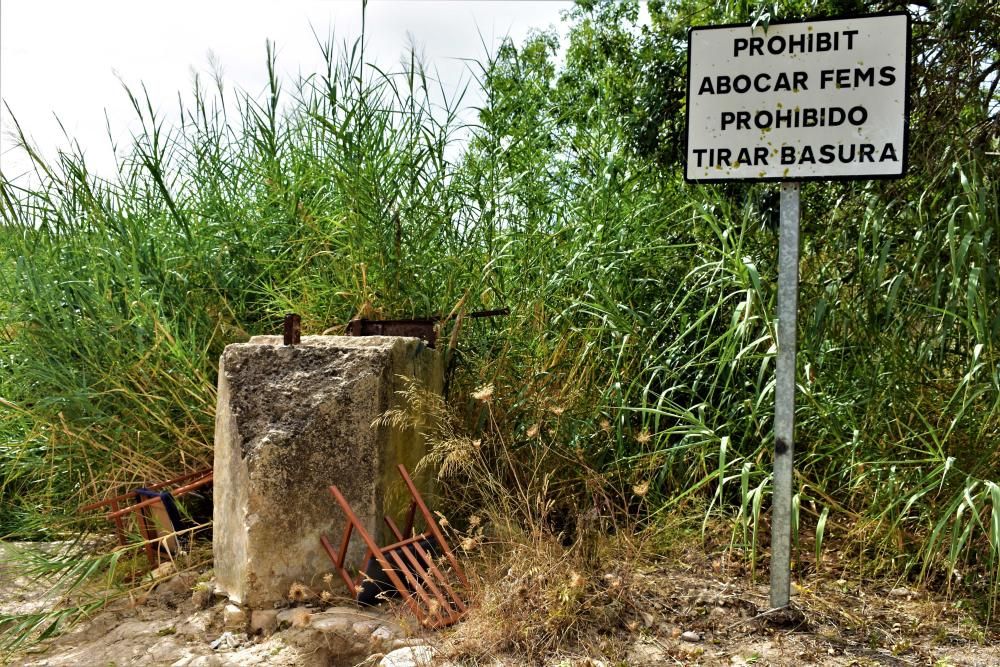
[{"x": 66, "y": 59}]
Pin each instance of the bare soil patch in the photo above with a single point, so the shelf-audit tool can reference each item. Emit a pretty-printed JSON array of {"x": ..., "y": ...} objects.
[{"x": 692, "y": 612}]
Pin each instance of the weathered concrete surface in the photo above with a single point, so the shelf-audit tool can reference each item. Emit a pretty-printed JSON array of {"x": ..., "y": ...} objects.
[{"x": 291, "y": 421}]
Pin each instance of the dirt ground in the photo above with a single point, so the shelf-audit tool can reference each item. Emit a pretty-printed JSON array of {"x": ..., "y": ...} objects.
[{"x": 682, "y": 614}]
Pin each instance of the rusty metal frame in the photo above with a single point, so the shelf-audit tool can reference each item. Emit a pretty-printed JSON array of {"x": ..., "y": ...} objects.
[
  {"x": 417, "y": 328},
  {"x": 147, "y": 527},
  {"x": 425, "y": 588},
  {"x": 420, "y": 327}
]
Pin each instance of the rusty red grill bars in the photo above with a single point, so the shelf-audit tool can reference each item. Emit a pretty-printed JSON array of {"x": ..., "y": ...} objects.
[
  {"x": 411, "y": 568},
  {"x": 147, "y": 528}
]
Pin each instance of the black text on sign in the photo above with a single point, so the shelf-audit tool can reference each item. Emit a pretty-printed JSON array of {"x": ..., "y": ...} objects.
[{"x": 798, "y": 101}]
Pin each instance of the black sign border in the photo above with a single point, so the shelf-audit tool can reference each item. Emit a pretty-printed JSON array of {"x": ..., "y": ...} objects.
[{"x": 780, "y": 179}]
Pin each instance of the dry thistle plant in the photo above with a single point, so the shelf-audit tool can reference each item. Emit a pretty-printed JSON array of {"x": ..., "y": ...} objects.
[{"x": 299, "y": 592}]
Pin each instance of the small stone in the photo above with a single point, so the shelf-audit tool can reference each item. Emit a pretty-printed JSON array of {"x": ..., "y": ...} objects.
[
  {"x": 297, "y": 617},
  {"x": 411, "y": 656},
  {"x": 691, "y": 636},
  {"x": 382, "y": 634},
  {"x": 301, "y": 618},
  {"x": 233, "y": 616},
  {"x": 227, "y": 640},
  {"x": 164, "y": 570},
  {"x": 332, "y": 624},
  {"x": 202, "y": 596},
  {"x": 176, "y": 586},
  {"x": 647, "y": 619},
  {"x": 364, "y": 628},
  {"x": 645, "y": 653},
  {"x": 263, "y": 621},
  {"x": 900, "y": 592}
]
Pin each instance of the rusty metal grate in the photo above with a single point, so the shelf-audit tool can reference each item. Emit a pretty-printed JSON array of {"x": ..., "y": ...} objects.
[
  {"x": 151, "y": 515},
  {"x": 409, "y": 563}
]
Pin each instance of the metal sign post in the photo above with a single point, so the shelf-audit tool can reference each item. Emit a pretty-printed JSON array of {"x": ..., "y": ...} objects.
[
  {"x": 784, "y": 394},
  {"x": 795, "y": 101}
]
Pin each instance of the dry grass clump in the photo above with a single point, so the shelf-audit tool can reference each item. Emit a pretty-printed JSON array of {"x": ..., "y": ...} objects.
[
  {"x": 534, "y": 596},
  {"x": 547, "y": 568}
]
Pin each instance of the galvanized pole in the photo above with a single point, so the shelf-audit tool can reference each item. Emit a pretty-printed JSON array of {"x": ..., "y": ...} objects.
[{"x": 784, "y": 395}]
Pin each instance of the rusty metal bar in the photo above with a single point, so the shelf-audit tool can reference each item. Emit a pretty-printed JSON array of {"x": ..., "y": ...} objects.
[
  {"x": 140, "y": 519},
  {"x": 409, "y": 567},
  {"x": 119, "y": 524},
  {"x": 339, "y": 563},
  {"x": 134, "y": 508},
  {"x": 180, "y": 491},
  {"x": 394, "y": 528},
  {"x": 427, "y": 579},
  {"x": 418, "y": 327},
  {"x": 432, "y": 524},
  {"x": 344, "y": 543},
  {"x": 416, "y": 588},
  {"x": 149, "y": 533},
  {"x": 429, "y": 559},
  {"x": 151, "y": 487},
  {"x": 376, "y": 551},
  {"x": 293, "y": 329},
  {"x": 150, "y": 501}
]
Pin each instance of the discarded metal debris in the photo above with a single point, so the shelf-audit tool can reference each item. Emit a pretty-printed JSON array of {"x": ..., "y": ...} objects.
[
  {"x": 155, "y": 513},
  {"x": 293, "y": 329},
  {"x": 421, "y": 327},
  {"x": 416, "y": 328},
  {"x": 408, "y": 565}
]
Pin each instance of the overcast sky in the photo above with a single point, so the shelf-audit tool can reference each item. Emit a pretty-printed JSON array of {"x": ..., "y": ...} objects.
[{"x": 67, "y": 58}]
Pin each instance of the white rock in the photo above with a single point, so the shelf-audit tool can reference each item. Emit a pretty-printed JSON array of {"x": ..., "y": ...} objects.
[
  {"x": 196, "y": 624},
  {"x": 412, "y": 656},
  {"x": 297, "y": 617},
  {"x": 364, "y": 628},
  {"x": 227, "y": 640},
  {"x": 233, "y": 616},
  {"x": 382, "y": 633},
  {"x": 263, "y": 621},
  {"x": 332, "y": 623},
  {"x": 691, "y": 636}
]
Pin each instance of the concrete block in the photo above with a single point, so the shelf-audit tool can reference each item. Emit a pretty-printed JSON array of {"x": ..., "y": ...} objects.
[{"x": 292, "y": 420}]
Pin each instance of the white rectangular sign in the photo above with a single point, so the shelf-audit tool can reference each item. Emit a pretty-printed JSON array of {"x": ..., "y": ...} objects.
[{"x": 821, "y": 99}]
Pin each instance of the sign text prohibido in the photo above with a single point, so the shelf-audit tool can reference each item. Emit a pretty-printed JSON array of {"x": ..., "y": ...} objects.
[{"x": 814, "y": 100}]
